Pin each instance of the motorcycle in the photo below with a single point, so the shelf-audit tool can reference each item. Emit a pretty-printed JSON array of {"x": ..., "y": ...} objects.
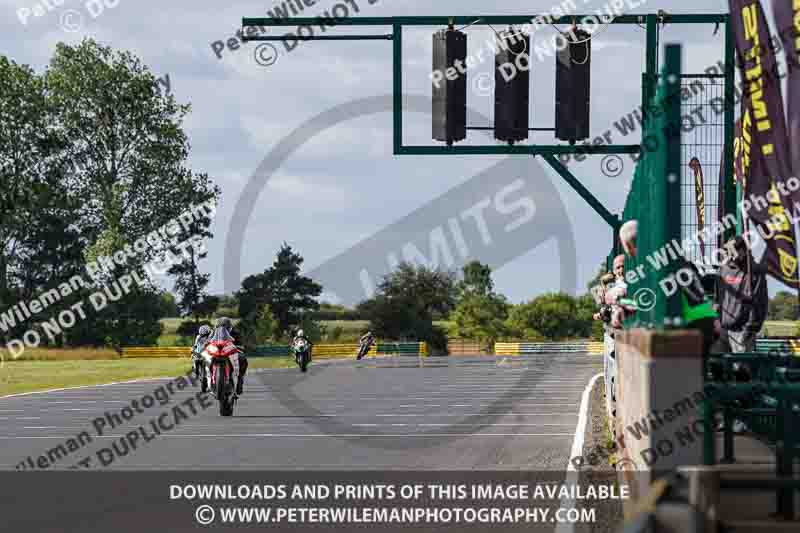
[
  {"x": 199, "y": 368},
  {"x": 222, "y": 385},
  {"x": 363, "y": 349},
  {"x": 302, "y": 354}
]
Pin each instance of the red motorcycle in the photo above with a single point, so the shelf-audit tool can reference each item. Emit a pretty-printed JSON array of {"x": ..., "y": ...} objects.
[{"x": 222, "y": 384}]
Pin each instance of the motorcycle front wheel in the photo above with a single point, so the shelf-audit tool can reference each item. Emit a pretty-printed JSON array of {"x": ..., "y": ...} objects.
[{"x": 224, "y": 397}]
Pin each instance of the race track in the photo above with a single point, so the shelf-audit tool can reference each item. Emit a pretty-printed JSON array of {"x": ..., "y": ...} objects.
[{"x": 409, "y": 413}]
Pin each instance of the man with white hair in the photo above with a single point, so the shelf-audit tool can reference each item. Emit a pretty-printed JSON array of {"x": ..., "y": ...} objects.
[
  {"x": 627, "y": 235},
  {"x": 697, "y": 310}
]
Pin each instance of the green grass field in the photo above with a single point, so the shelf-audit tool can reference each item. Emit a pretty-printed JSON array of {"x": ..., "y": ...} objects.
[
  {"x": 780, "y": 328},
  {"x": 27, "y": 376}
]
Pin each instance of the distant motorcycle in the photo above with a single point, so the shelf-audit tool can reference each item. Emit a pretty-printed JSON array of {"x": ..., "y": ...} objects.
[
  {"x": 222, "y": 386},
  {"x": 363, "y": 349},
  {"x": 302, "y": 354},
  {"x": 199, "y": 368}
]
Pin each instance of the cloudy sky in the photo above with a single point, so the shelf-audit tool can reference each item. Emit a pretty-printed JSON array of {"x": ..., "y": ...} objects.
[{"x": 345, "y": 185}]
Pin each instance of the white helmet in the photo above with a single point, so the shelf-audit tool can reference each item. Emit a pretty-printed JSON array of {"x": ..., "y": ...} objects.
[
  {"x": 204, "y": 331},
  {"x": 300, "y": 333}
]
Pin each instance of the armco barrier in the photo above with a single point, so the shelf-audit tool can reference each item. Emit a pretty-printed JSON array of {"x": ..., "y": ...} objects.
[
  {"x": 269, "y": 351},
  {"x": 519, "y": 348},
  {"x": 465, "y": 347},
  {"x": 402, "y": 348},
  {"x": 320, "y": 351},
  {"x": 778, "y": 345},
  {"x": 156, "y": 351},
  {"x": 506, "y": 348}
]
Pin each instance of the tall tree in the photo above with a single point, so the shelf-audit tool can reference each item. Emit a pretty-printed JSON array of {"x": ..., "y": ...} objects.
[
  {"x": 432, "y": 290},
  {"x": 477, "y": 279},
  {"x": 480, "y": 313},
  {"x": 29, "y": 152},
  {"x": 92, "y": 159},
  {"x": 127, "y": 146},
  {"x": 552, "y": 315},
  {"x": 406, "y": 302},
  {"x": 288, "y": 293},
  {"x": 190, "y": 283}
]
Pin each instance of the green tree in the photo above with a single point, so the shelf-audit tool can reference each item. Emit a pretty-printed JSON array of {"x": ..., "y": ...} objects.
[
  {"x": 37, "y": 237},
  {"x": 477, "y": 279},
  {"x": 783, "y": 306},
  {"x": 208, "y": 307},
  {"x": 92, "y": 158},
  {"x": 434, "y": 291},
  {"x": 585, "y": 325},
  {"x": 266, "y": 326},
  {"x": 169, "y": 306},
  {"x": 552, "y": 315},
  {"x": 479, "y": 314},
  {"x": 313, "y": 329},
  {"x": 480, "y": 317},
  {"x": 190, "y": 283},
  {"x": 335, "y": 334},
  {"x": 260, "y": 328},
  {"x": 127, "y": 146},
  {"x": 406, "y": 302},
  {"x": 283, "y": 288}
]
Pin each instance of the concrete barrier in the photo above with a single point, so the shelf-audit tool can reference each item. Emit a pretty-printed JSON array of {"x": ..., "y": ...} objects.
[{"x": 658, "y": 386}]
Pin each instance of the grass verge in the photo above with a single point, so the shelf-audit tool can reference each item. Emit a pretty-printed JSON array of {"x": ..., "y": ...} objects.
[
  {"x": 28, "y": 376},
  {"x": 780, "y": 328}
]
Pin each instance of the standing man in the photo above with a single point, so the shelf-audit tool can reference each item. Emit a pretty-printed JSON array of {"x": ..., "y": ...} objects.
[{"x": 743, "y": 297}]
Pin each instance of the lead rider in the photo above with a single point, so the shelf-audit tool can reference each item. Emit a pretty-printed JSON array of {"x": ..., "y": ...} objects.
[{"x": 222, "y": 333}]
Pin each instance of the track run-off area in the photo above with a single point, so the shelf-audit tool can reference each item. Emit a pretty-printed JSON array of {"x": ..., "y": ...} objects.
[{"x": 393, "y": 413}]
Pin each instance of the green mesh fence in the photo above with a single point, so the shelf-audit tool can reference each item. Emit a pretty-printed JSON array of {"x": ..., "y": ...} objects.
[{"x": 654, "y": 201}]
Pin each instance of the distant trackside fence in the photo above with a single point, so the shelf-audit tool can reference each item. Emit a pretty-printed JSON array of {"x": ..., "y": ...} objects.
[{"x": 320, "y": 351}]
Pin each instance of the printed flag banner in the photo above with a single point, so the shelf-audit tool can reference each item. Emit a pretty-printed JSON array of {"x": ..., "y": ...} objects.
[
  {"x": 772, "y": 240},
  {"x": 699, "y": 200},
  {"x": 763, "y": 157},
  {"x": 762, "y": 89},
  {"x": 787, "y": 21}
]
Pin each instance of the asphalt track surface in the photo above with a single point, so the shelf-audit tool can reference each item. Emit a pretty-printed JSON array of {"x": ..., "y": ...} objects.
[{"x": 396, "y": 413}]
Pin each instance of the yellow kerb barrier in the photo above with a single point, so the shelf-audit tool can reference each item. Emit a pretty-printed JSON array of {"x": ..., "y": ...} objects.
[
  {"x": 506, "y": 348},
  {"x": 157, "y": 351}
]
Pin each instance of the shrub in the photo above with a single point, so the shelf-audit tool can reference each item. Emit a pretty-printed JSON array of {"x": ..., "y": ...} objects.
[
  {"x": 188, "y": 328},
  {"x": 335, "y": 334}
]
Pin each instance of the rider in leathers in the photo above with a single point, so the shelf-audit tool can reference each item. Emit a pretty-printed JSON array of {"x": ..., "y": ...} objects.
[
  {"x": 222, "y": 332},
  {"x": 197, "y": 349},
  {"x": 367, "y": 341}
]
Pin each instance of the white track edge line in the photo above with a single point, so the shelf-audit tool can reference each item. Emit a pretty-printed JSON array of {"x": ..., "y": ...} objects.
[{"x": 571, "y": 476}]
